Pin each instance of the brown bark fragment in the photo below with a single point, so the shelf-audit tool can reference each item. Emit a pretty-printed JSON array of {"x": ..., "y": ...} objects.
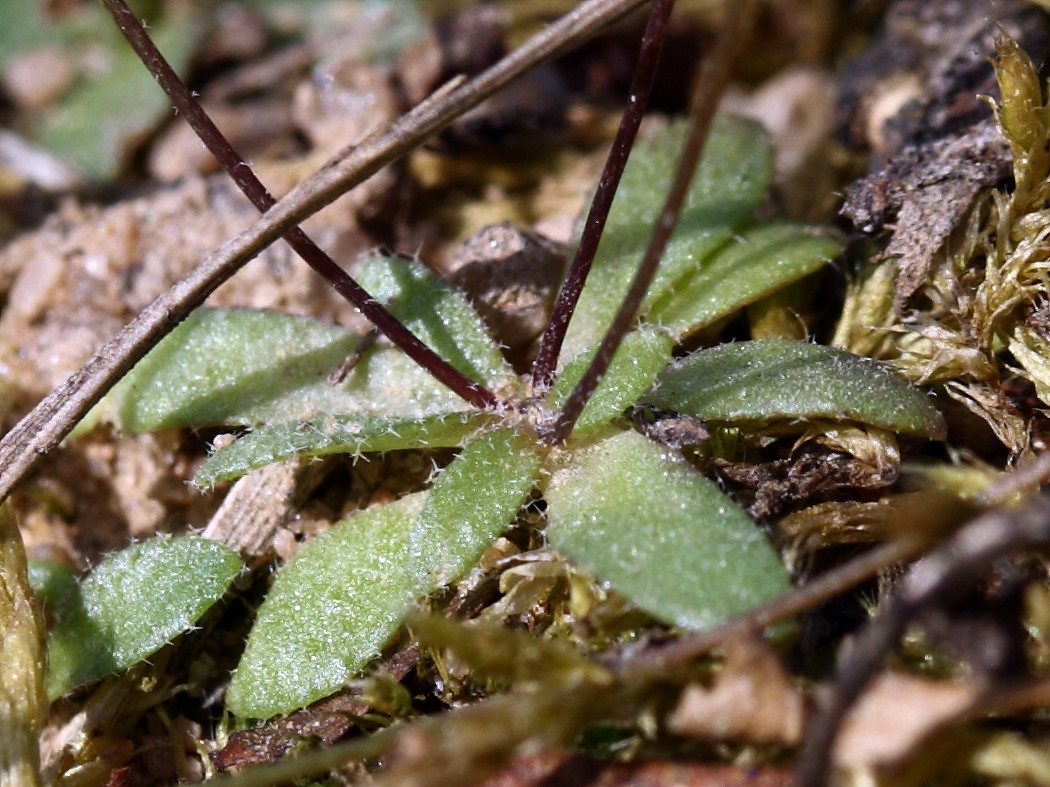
[
  {"x": 913, "y": 98},
  {"x": 924, "y": 192}
]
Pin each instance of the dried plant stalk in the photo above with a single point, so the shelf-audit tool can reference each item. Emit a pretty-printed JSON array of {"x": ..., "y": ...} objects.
[{"x": 23, "y": 703}]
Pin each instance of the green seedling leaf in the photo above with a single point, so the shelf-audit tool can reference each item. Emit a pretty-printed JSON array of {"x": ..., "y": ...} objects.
[
  {"x": 235, "y": 367},
  {"x": 663, "y": 535},
  {"x": 440, "y": 315},
  {"x": 243, "y": 367},
  {"x": 133, "y": 603},
  {"x": 734, "y": 174},
  {"x": 328, "y": 613},
  {"x": 332, "y": 609},
  {"x": 774, "y": 380},
  {"x": 343, "y": 434},
  {"x": 756, "y": 263},
  {"x": 473, "y": 501},
  {"x": 52, "y": 582},
  {"x": 642, "y": 355}
]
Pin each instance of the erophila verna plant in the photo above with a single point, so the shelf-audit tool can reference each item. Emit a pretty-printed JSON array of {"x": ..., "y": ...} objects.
[{"x": 630, "y": 511}]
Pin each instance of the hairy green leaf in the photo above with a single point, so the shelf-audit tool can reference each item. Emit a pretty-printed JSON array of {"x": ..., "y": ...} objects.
[
  {"x": 439, "y": 314},
  {"x": 243, "y": 367},
  {"x": 473, "y": 501},
  {"x": 329, "y": 611},
  {"x": 735, "y": 172},
  {"x": 338, "y": 434},
  {"x": 234, "y": 367},
  {"x": 756, "y": 263},
  {"x": 776, "y": 379},
  {"x": 663, "y": 535},
  {"x": 333, "y": 607},
  {"x": 133, "y": 603},
  {"x": 640, "y": 358}
]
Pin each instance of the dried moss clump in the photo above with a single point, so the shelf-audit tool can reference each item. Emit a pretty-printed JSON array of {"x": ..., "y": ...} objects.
[{"x": 983, "y": 314}]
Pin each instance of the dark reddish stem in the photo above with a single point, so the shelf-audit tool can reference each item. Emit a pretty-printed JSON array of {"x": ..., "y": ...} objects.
[
  {"x": 243, "y": 175},
  {"x": 711, "y": 84},
  {"x": 637, "y": 102}
]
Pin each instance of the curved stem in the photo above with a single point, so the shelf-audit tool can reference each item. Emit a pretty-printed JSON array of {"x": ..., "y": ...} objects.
[
  {"x": 712, "y": 82},
  {"x": 637, "y": 102}
]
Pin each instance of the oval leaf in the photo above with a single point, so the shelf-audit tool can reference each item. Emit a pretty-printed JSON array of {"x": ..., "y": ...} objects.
[
  {"x": 660, "y": 533},
  {"x": 133, "y": 603},
  {"x": 233, "y": 367},
  {"x": 328, "y": 613},
  {"x": 241, "y": 367},
  {"x": 776, "y": 379},
  {"x": 338, "y": 434},
  {"x": 734, "y": 174},
  {"x": 756, "y": 263},
  {"x": 332, "y": 608}
]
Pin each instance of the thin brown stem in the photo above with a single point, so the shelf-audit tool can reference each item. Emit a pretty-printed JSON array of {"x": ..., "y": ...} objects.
[
  {"x": 803, "y": 599},
  {"x": 56, "y": 415},
  {"x": 244, "y": 176},
  {"x": 941, "y": 576},
  {"x": 936, "y": 515},
  {"x": 637, "y": 103},
  {"x": 714, "y": 76}
]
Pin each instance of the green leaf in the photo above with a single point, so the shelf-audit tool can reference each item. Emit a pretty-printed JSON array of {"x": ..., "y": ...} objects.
[
  {"x": 663, "y": 535},
  {"x": 734, "y": 174},
  {"x": 440, "y": 315},
  {"x": 642, "y": 355},
  {"x": 332, "y": 608},
  {"x": 775, "y": 379},
  {"x": 133, "y": 603},
  {"x": 757, "y": 263},
  {"x": 116, "y": 102},
  {"x": 339, "y": 434},
  {"x": 52, "y": 582},
  {"x": 328, "y": 613},
  {"x": 242, "y": 367},
  {"x": 473, "y": 501},
  {"x": 234, "y": 367}
]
